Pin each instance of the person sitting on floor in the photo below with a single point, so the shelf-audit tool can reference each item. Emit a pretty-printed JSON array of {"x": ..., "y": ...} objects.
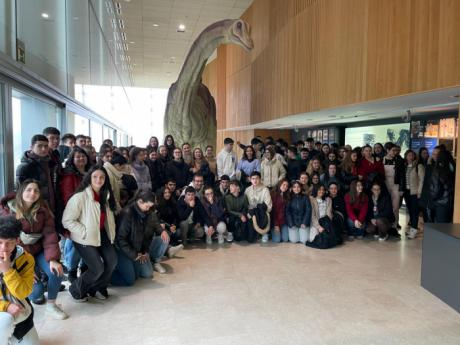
[
  {"x": 215, "y": 220},
  {"x": 16, "y": 282},
  {"x": 380, "y": 213},
  {"x": 236, "y": 205}
]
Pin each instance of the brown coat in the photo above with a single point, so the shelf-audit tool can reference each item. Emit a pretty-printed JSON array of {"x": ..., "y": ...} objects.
[{"x": 44, "y": 224}]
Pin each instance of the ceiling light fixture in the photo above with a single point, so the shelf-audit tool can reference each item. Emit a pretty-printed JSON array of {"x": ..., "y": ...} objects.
[
  {"x": 156, "y": 25},
  {"x": 181, "y": 28},
  {"x": 132, "y": 42},
  {"x": 45, "y": 15}
]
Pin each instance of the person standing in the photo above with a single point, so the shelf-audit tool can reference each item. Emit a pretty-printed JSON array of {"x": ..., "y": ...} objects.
[
  {"x": 394, "y": 173},
  {"x": 280, "y": 199},
  {"x": 177, "y": 170},
  {"x": 271, "y": 169},
  {"x": 89, "y": 216},
  {"x": 211, "y": 159},
  {"x": 226, "y": 160},
  {"x": 141, "y": 170}
]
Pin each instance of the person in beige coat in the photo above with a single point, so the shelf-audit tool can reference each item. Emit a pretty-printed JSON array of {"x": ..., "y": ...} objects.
[
  {"x": 89, "y": 216},
  {"x": 413, "y": 184},
  {"x": 321, "y": 206},
  {"x": 271, "y": 169}
]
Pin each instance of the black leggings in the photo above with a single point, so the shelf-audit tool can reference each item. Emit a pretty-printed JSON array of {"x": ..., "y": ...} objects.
[{"x": 101, "y": 262}]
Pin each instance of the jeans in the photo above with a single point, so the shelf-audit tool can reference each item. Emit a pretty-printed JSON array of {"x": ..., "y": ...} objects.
[
  {"x": 282, "y": 235},
  {"x": 101, "y": 262},
  {"x": 298, "y": 234},
  {"x": 187, "y": 230},
  {"x": 221, "y": 228},
  {"x": 353, "y": 231},
  {"x": 54, "y": 281},
  {"x": 127, "y": 270},
  {"x": 157, "y": 249},
  {"x": 412, "y": 207},
  {"x": 71, "y": 256},
  {"x": 7, "y": 329}
]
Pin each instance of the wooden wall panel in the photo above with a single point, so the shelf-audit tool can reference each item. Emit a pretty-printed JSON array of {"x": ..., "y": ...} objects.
[{"x": 316, "y": 54}]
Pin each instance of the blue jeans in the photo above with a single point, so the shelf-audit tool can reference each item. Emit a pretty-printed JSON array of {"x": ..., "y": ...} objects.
[
  {"x": 54, "y": 282},
  {"x": 71, "y": 256},
  {"x": 127, "y": 270},
  {"x": 354, "y": 231},
  {"x": 282, "y": 235},
  {"x": 157, "y": 249}
]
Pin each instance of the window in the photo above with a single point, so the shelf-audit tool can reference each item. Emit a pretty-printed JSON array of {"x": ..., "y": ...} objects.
[
  {"x": 81, "y": 125},
  {"x": 30, "y": 116},
  {"x": 2, "y": 143},
  {"x": 96, "y": 134}
]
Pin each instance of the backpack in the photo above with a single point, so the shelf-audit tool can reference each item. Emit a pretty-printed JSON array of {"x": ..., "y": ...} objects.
[{"x": 326, "y": 239}]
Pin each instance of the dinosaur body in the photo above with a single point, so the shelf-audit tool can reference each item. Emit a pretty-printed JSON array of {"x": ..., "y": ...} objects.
[{"x": 191, "y": 110}]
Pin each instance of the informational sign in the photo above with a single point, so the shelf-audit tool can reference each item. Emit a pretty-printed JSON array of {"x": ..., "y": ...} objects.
[
  {"x": 396, "y": 133},
  {"x": 432, "y": 129},
  {"x": 447, "y": 128},
  {"x": 429, "y": 143}
]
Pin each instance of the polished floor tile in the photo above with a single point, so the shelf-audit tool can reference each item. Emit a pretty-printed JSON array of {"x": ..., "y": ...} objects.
[{"x": 364, "y": 292}]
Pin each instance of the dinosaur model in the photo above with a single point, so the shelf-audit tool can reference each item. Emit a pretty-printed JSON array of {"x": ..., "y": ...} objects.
[{"x": 191, "y": 110}]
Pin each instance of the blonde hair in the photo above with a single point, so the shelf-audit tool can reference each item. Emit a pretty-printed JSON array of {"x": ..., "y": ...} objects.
[{"x": 21, "y": 210}]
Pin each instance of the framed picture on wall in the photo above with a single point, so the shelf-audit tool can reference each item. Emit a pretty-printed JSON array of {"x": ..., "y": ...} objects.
[
  {"x": 309, "y": 133},
  {"x": 319, "y": 135},
  {"x": 313, "y": 135},
  {"x": 325, "y": 135},
  {"x": 332, "y": 135}
]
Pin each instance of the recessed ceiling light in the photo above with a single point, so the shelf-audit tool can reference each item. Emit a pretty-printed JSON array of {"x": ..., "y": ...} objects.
[
  {"x": 45, "y": 15},
  {"x": 181, "y": 28},
  {"x": 132, "y": 42},
  {"x": 75, "y": 18},
  {"x": 156, "y": 25}
]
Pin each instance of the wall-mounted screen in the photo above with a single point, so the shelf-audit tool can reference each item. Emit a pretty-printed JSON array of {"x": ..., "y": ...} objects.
[{"x": 397, "y": 133}]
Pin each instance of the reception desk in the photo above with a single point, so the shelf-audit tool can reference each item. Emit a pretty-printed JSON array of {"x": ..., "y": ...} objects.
[{"x": 441, "y": 262}]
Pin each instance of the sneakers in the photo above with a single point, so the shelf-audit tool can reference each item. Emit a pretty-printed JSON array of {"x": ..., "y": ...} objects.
[
  {"x": 383, "y": 239},
  {"x": 208, "y": 239},
  {"x": 376, "y": 237},
  {"x": 159, "y": 268},
  {"x": 351, "y": 238},
  {"x": 54, "y": 311},
  {"x": 360, "y": 237},
  {"x": 100, "y": 295},
  {"x": 220, "y": 239},
  {"x": 172, "y": 252},
  {"x": 265, "y": 238},
  {"x": 229, "y": 237},
  {"x": 412, "y": 233}
]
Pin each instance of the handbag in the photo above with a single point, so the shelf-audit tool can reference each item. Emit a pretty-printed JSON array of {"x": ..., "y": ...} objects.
[
  {"x": 30, "y": 239},
  {"x": 327, "y": 238}
]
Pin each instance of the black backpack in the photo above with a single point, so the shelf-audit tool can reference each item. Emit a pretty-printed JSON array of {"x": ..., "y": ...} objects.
[{"x": 326, "y": 239}]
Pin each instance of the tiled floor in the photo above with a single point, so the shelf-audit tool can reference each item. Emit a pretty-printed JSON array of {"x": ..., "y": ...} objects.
[{"x": 364, "y": 292}]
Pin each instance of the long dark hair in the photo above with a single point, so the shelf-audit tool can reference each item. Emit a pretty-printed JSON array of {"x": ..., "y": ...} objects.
[
  {"x": 354, "y": 198},
  {"x": 245, "y": 156},
  {"x": 106, "y": 190},
  {"x": 70, "y": 164},
  {"x": 278, "y": 189},
  {"x": 166, "y": 139}
]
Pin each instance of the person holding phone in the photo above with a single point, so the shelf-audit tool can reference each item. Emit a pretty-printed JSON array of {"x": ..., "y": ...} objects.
[{"x": 38, "y": 237}]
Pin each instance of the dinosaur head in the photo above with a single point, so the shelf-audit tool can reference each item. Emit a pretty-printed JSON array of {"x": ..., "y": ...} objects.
[{"x": 238, "y": 33}]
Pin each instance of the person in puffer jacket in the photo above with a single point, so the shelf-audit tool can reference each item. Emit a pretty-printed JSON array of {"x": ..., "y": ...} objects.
[
  {"x": 272, "y": 170},
  {"x": 215, "y": 220},
  {"x": 16, "y": 283},
  {"x": 236, "y": 206},
  {"x": 280, "y": 198},
  {"x": 298, "y": 215},
  {"x": 38, "y": 237}
]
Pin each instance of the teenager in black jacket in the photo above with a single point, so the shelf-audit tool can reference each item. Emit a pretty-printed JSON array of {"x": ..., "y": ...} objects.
[
  {"x": 192, "y": 215},
  {"x": 177, "y": 169},
  {"x": 379, "y": 213}
]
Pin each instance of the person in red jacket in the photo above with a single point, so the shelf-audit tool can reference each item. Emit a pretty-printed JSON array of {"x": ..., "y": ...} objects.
[
  {"x": 280, "y": 231},
  {"x": 356, "y": 202},
  {"x": 76, "y": 167},
  {"x": 370, "y": 169},
  {"x": 39, "y": 238}
]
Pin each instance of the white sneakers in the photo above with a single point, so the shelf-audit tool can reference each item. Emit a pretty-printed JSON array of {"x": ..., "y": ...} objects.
[
  {"x": 208, "y": 240},
  {"x": 159, "y": 268},
  {"x": 54, "y": 311},
  {"x": 412, "y": 233},
  {"x": 220, "y": 239},
  {"x": 265, "y": 238},
  {"x": 172, "y": 252},
  {"x": 229, "y": 237},
  {"x": 383, "y": 239}
]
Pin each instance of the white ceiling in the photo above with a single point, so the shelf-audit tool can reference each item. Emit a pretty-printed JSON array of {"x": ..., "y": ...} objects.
[
  {"x": 158, "y": 52},
  {"x": 439, "y": 101}
]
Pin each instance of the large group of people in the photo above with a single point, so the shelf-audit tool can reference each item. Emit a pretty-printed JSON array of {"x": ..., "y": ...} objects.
[{"x": 106, "y": 218}]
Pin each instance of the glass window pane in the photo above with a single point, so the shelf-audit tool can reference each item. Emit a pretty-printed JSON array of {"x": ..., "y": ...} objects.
[
  {"x": 96, "y": 134},
  {"x": 30, "y": 116},
  {"x": 7, "y": 28},
  {"x": 2, "y": 143},
  {"x": 41, "y": 29},
  {"x": 81, "y": 125}
]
